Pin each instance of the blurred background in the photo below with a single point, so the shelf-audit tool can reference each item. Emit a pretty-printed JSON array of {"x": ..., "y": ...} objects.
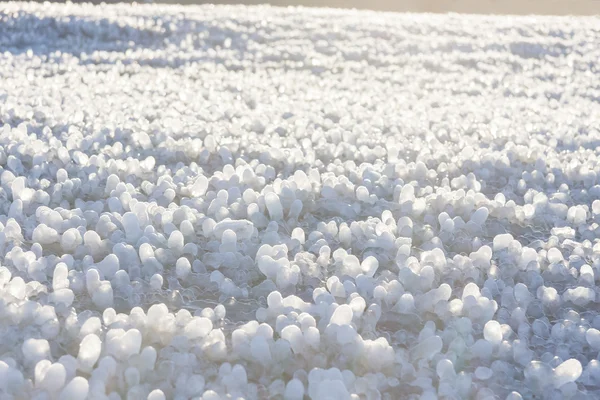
[{"x": 542, "y": 7}]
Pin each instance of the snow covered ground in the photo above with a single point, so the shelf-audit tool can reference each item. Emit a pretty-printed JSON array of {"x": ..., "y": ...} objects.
[{"x": 230, "y": 202}]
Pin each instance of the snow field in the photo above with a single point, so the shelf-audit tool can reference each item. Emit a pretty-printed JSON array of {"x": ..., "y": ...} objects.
[{"x": 228, "y": 202}]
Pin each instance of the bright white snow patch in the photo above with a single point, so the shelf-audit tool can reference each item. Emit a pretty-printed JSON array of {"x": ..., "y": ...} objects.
[{"x": 223, "y": 202}]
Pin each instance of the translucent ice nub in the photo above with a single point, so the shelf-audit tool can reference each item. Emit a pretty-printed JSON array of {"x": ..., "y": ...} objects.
[
  {"x": 492, "y": 332},
  {"x": 156, "y": 282},
  {"x": 103, "y": 295},
  {"x": 54, "y": 378},
  {"x": 70, "y": 239},
  {"x": 554, "y": 256},
  {"x": 62, "y": 296},
  {"x": 228, "y": 242},
  {"x": 407, "y": 193},
  {"x": 109, "y": 266},
  {"x": 448, "y": 225},
  {"x": 539, "y": 374},
  {"x": 445, "y": 369},
  {"x": 369, "y": 266},
  {"x": 471, "y": 289},
  {"x": 576, "y": 215},
  {"x": 295, "y": 209},
  {"x": 293, "y": 335},
  {"x": 130, "y": 344},
  {"x": 44, "y": 235},
  {"x": 346, "y": 334},
  {"x": 351, "y": 266},
  {"x": 242, "y": 228},
  {"x": 89, "y": 352},
  {"x": 131, "y": 224},
  {"x": 148, "y": 357},
  {"x": 299, "y": 235},
  {"x": 176, "y": 242},
  {"x": 183, "y": 268},
  {"x": 270, "y": 267},
  {"x": 596, "y": 207},
  {"x": 522, "y": 294},
  {"x": 502, "y": 241},
  {"x": 76, "y": 389},
  {"x": 259, "y": 349},
  {"x": 427, "y": 348},
  {"x": 342, "y": 315},
  {"x": 592, "y": 336},
  {"x": 35, "y": 350},
  {"x": 156, "y": 394},
  {"x": 514, "y": 396},
  {"x": 566, "y": 372},
  {"x": 480, "y": 216},
  {"x": 294, "y": 390},
  {"x": 580, "y": 296},
  {"x": 198, "y": 327},
  {"x": 362, "y": 194},
  {"x": 60, "y": 277},
  {"x": 200, "y": 186},
  {"x": 483, "y": 373},
  {"x": 274, "y": 206}
]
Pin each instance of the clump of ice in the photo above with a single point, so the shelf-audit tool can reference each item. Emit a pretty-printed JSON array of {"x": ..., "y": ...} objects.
[{"x": 271, "y": 203}]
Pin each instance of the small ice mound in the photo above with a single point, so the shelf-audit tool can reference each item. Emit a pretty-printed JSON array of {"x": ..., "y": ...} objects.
[
  {"x": 131, "y": 225},
  {"x": 577, "y": 215},
  {"x": 554, "y": 256},
  {"x": 480, "y": 216},
  {"x": 109, "y": 266},
  {"x": 326, "y": 384},
  {"x": 89, "y": 352},
  {"x": 295, "y": 209},
  {"x": 70, "y": 240},
  {"x": 369, "y": 266},
  {"x": 351, "y": 266},
  {"x": 62, "y": 296},
  {"x": 45, "y": 235},
  {"x": 580, "y": 296},
  {"x": 35, "y": 350},
  {"x": 274, "y": 206},
  {"x": 445, "y": 369},
  {"x": 156, "y": 394},
  {"x": 199, "y": 187},
  {"x": 483, "y": 373},
  {"x": 294, "y": 336},
  {"x": 427, "y": 348},
  {"x": 228, "y": 242},
  {"x": 567, "y": 372},
  {"x": 176, "y": 242},
  {"x": 294, "y": 390},
  {"x": 502, "y": 241},
  {"x": 50, "y": 378},
  {"x": 123, "y": 344},
  {"x": 156, "y": 282},
  {"x": 592, "y": 337},
  {"x": 198, "y": 327},
  {"x": 60, "y": 277},
  {"x": 243, "y": 229},
  {"x": 492, "y": 332},
  {"x": 539, "y": 375},
  {"x": 342, "y": 315},
  {"x": 183, "y": 267},
  {"x": 102, "y": 295},
  {"x": 77, "y": 389}
]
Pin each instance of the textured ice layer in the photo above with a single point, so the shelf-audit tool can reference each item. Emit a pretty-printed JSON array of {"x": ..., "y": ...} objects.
[{"x": 224, "y": 202}]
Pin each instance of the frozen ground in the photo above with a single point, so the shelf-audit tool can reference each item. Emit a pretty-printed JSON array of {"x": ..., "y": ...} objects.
[{"x": 225, "y": 202}]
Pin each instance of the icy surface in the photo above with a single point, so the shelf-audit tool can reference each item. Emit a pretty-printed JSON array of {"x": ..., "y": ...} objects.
[{"x": 229, "y": 202}]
